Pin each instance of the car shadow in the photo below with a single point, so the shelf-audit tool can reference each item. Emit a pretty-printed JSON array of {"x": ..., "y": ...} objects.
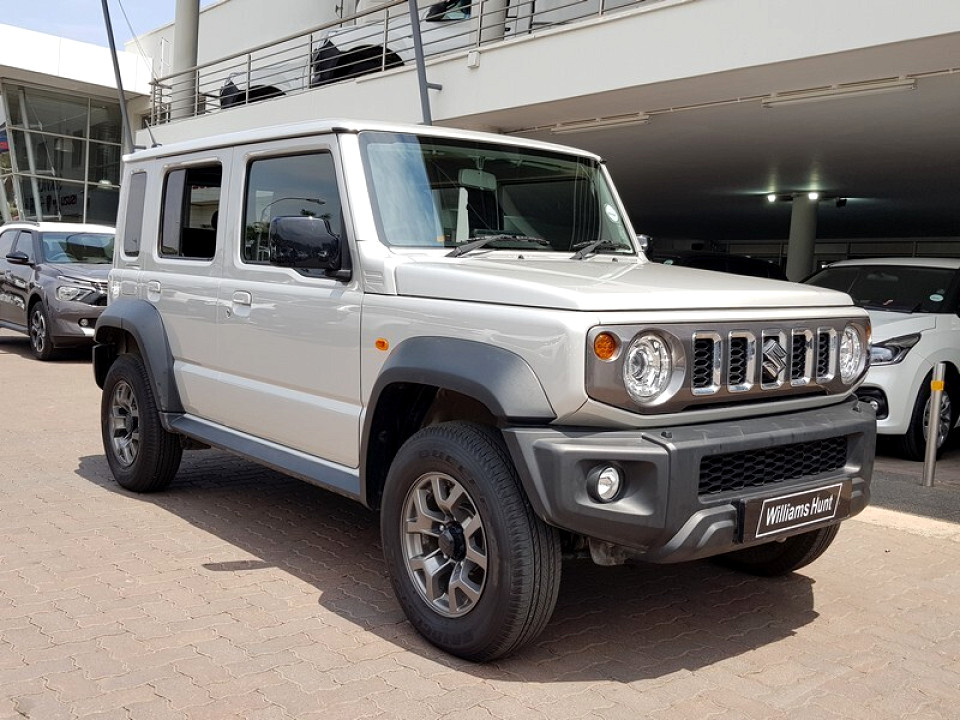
[
  {"x": 12, "y": 343},
  {"x": 622, "y": 623}
]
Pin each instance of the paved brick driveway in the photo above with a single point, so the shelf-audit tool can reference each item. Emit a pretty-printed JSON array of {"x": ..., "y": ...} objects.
[{"x": 239, "y": 593}]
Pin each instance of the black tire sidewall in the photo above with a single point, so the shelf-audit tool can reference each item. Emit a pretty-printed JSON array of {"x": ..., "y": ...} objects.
[
  {"x": 914, "y": 443},
  {"x": 468, "y": 635},
  {"x": 47, "y": 352},
  {"x": 142, "y": 474}
]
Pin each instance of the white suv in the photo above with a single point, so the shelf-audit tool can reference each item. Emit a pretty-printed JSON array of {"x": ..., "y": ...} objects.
[
  {"x": 460, "y": 331},
  {"x": 913, "y": 305}
]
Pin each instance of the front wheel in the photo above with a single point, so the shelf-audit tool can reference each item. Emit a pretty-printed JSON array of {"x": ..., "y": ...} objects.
[
  {"x": 781, "y": 557},
  {"x": 142, "y": 456},
  {"x": 476, "y": 571},
  {"x": 39, "y": 327},
  {"x": 913, "y": 444}
]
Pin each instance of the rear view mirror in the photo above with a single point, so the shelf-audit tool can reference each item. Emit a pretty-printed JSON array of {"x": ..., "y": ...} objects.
[{"x": 307, "y": 243}]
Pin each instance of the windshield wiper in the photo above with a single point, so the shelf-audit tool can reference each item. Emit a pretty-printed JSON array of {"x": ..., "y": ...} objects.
[
  {"x": 591, "y": 248},
  {"x": 478, "y": 242}
]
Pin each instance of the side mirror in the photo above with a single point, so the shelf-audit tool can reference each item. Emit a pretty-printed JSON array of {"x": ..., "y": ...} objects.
[
  {"x": 18, "y": 258},
  {"x": 643, "y": 242},
  {"x": 307, "y": 243}
]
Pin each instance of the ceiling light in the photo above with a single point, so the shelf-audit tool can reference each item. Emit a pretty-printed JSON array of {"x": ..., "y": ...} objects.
[
  {"x": 613, "y": 121},
  {"x": 771, "y": 197},
  {"x": 838, "y": 91},
  {"x": 813, "y": 196}
]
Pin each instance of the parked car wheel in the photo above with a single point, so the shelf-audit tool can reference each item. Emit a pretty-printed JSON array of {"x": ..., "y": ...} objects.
[
  {"x": 142, "y": 456},
  {"x": 40, "y": 342},
  {"x": 781, "y": 557},
  {"x": 913, "y": 444},
  {"x": 475, "y": 570}
]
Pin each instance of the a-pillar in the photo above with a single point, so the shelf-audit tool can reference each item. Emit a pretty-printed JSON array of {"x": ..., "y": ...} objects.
[
  {"x": 186, "y": 31},
  {"x": 803, "y": 236}
]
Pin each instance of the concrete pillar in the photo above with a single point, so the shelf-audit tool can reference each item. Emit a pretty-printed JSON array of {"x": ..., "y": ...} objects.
[
  {"x": 803, "y": 236},
  {"x": 186, "y": 38}
]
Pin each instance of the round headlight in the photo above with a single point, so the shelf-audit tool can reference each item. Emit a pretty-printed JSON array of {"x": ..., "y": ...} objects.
[
  {"x": 647, "y": 367},
  {"x": 852, "y": 354}
]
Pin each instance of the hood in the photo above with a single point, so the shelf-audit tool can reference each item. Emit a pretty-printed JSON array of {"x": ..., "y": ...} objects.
[
  {"x": 82, "y": 271},
  {"x": 887, "y": 324},
  {"x": 601, "y": 285}
]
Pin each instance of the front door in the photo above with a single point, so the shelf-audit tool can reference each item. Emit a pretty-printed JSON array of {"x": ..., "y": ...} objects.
[
  {"x": 288, "y": 339},
  {"x": 7, "y": 239},
  {"x": 19, "y": 279}
]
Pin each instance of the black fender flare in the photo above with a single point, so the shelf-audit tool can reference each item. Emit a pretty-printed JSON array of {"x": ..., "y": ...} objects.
[
  {"x": 494, "y": 376},
  {"x": 143, "y": 323}
]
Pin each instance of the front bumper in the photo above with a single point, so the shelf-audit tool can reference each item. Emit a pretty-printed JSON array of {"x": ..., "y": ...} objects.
[
  {"x": 72, "y": 323},
  {"x": 671, "y": 508}
]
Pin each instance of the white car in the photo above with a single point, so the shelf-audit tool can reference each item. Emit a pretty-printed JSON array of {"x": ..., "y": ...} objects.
[{"x": 913, "y": 305}]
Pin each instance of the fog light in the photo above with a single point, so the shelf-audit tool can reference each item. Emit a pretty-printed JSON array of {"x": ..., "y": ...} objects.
[
  {"x": 604, "y": 482},
  {"x": 84, "y": 322}
]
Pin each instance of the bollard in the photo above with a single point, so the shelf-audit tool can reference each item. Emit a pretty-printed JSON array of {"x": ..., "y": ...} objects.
[{"x": 933, "y": 425}]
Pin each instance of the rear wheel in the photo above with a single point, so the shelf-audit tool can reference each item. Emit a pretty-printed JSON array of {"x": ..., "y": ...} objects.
[
  {"x": 782, "y": 557},
  {"x": 142, "y": 456},
  {"x": 913, "y": 444},
  {"x": 475, "y": 570}
]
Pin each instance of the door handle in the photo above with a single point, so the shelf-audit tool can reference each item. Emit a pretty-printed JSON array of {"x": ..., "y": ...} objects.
[
  {"x": 153, "y": 286},
  {"x": 242, "y": 297}
]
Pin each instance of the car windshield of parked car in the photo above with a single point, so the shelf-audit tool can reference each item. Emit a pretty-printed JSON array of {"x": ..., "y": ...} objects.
[
  {"x": 436, "y": 193},
  {"x": 92, "y": 248},
  {"x": 889, "y": 287}
]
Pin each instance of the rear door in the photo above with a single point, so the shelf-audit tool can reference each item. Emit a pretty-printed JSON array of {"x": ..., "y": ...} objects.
[
  {"x": 287, "y": 338},
  {"x": 183, "y": 272}
]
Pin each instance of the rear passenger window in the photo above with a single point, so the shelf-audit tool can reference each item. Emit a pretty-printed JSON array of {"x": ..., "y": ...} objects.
[
  {"x": 133, "y": 220},
  {"x": 284, "y": 186},
  {"x": 191, "y": 206}
]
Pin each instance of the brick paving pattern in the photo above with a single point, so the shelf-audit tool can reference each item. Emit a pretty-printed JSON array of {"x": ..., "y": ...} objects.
[{"x": 239, "y": 593}]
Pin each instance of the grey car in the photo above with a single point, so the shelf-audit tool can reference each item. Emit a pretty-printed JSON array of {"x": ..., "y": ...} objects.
[{"x": 53, "y": 282}]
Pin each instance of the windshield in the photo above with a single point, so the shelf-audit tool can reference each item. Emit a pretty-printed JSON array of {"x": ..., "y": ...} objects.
[
  {"x": 889, "y": 287},
  {"x": 436, "y": 193},
  {"x": 92, "y": 248}
]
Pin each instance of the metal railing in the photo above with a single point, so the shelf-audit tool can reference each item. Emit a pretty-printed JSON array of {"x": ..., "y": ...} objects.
[{"x": 367, "y": 42}]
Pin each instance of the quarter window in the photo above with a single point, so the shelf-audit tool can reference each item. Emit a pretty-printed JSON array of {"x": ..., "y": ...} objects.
[
  {"x": 299, "y": 185},
  {"x": 191, "y": 205},
  {"x": 6, "y": 242},
  {"x": 133, "y": 221}
]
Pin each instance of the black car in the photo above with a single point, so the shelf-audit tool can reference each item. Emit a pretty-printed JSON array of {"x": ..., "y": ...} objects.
[{"x": 53, "y": 282}]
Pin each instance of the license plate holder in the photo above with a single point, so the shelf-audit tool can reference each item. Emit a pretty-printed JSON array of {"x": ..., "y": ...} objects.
[{"x": 773, "y": 517}]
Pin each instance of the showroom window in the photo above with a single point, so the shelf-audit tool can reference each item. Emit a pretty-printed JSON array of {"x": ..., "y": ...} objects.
[{"x": 59, "y": 156}]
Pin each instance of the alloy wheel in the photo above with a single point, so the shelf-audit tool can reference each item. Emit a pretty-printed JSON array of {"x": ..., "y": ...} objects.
[
  {"x": 38, "y": 330},
  {"x": 444, "y": 544},
  {"x": 946, "y": 419},
  {"x": 124, "y": 425}
]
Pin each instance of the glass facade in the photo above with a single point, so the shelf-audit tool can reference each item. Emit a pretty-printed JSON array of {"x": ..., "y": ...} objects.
[{"x": 59, "y": 156}]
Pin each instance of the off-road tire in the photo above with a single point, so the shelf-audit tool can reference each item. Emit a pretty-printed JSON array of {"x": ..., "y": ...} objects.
[
  {"x": 38, "y": 327},
  {"x": 521, "y": 578},
  {"x": 142, "y": 456},
  {"x": 913, "y": 444},
  {"x": 780, "y": 558}
]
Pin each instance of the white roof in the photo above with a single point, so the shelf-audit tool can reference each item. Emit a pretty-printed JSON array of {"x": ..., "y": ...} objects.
[
  {"x": 316, "y": 127},
  {"x": 51, "y": 226},
  {"x": 932, "y": 262}
]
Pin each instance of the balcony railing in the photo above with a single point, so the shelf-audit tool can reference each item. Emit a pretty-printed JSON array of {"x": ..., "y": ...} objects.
[{"x": 367, "y": 42}]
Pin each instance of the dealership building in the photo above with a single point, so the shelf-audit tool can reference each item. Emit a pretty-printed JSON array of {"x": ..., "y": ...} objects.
[{"x": 825, "y": 128}]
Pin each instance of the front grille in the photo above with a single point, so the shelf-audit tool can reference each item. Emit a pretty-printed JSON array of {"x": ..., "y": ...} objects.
[
  {"x": 768, "y": 466},
  {"x": 770, "y": 360}
]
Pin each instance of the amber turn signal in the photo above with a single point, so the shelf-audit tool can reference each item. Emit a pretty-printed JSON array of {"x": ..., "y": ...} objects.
[
  {"x": 381, "y": 344},
  {"x": 605, "y": 346}
]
